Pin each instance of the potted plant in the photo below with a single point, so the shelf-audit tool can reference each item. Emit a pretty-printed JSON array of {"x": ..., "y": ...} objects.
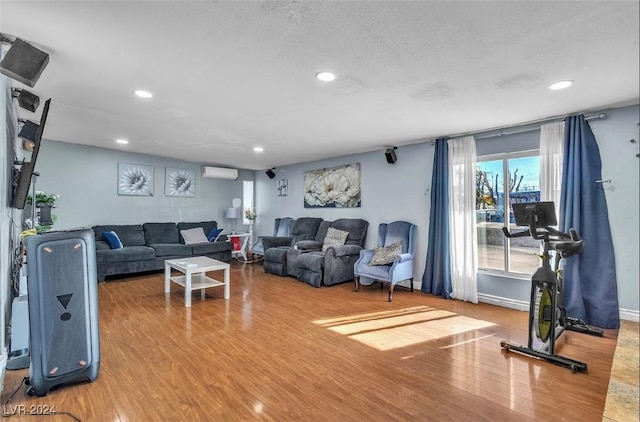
[{"x": 44, "y": 204}]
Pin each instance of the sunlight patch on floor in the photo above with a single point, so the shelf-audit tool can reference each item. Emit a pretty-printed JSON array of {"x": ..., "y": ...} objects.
[
  {"x": 460, "y": 343},
  {"x": 399, "y": 328}
]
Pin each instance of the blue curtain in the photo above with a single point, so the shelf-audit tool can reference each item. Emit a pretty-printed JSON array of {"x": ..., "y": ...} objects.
[
  {"x": 437, "y": 274},
  {"x": 591, "y": 291}
]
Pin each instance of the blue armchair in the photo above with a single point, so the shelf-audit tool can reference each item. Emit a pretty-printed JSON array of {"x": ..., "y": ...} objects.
[{"x": 400, "y": 264}]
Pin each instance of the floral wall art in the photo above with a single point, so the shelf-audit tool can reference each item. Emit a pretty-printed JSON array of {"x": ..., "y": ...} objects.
[
  {"x": 283, "y": 189},
  {"x": 336, "y": 187},
  {"x": 135, "y": 179},
  {"x": 179, "y": 182}
]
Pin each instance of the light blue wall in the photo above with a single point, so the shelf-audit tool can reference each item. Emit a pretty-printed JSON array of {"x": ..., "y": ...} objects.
[
  {"x": 85, "y": 177},
  {"x": 620, "y": 165},
  {"x": 394, "y": 192},
  {"x": 389, "y": 192}
]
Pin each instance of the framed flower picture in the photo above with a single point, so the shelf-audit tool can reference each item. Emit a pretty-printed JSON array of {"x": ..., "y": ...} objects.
[
  {"x": 135, "y": 179},
  {"x": 336, "y": 187},
  {"x": 179, "y": 182},
  {"x": 283, "y": 189}
]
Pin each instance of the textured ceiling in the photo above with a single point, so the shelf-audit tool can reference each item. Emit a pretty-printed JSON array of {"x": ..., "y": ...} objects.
[{"x": 229, "y": 76}]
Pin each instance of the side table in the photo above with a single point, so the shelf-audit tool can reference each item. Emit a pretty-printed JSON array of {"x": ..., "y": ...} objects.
[{"x": 242, "y": 240}]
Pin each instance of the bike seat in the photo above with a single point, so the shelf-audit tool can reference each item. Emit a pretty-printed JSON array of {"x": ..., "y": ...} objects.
[{"x": 567, "y": 247}]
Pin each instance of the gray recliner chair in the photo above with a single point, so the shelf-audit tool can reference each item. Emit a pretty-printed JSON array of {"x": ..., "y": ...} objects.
[
  {"x": 334, "y": 264},
  {"x": 281, "y": 228},
  {"x": 399, "y": 263},
  {"x": 276, "y": 247}
]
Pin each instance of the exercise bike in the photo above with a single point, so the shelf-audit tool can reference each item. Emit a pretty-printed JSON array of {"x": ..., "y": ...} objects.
[{"x": 547, "y": 316}]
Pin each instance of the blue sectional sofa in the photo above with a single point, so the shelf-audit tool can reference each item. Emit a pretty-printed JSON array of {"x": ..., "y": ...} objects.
[{"x": 146, "y": 247}]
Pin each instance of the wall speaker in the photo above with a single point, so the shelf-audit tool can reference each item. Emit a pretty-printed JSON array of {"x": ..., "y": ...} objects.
[
  {"x": 63, "y": 309},
  {"x": 390, "y": 155},
  {"x": 26, "y": 99},
  {"x": 271, "y": 173},
  {"x": 24, "y": 63},
  {"x": 28, "y": 131}
]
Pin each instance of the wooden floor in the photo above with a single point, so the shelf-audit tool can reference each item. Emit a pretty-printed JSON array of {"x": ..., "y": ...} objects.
[{"x": 279, "y": 350}]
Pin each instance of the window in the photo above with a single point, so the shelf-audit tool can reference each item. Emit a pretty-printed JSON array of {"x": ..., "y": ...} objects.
[
  {"x": 521, "y": 171},
  {"x": 247, "y": 198}
]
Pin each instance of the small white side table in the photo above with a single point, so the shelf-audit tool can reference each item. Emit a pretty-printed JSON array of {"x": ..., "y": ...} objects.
[
  {"x": 194, "y": 277},
  {"x": 243, "y": 240}
]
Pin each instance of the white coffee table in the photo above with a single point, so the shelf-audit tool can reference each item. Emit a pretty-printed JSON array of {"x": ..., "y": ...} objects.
[{"x": 194, "y": 277}]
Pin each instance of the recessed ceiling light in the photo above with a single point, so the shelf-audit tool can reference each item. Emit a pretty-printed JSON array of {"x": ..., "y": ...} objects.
[
  {"x": 325, "y": 76},
  {"x": 143, "y": 94},
  {"x": 258, "y": 149},
  {"x": 122, "y": 141},
  {"x": 561, "y": 85}
]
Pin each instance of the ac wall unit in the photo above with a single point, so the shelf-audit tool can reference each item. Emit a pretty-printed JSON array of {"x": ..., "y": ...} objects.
[{"x": 219, "y": 173}]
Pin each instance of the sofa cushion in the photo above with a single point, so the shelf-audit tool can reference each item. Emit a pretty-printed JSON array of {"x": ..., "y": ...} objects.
[
  {"x": 305, "y": 228},
  {"x": 312, "y": 261},
  {"x": 356, "y": 227},
  {"x": 386, "y": 254},
  {"x": 334, "y": 237},
  {"x": 322, "y": 231},
  {"x": 112, "y": 239},
  {"x": 130, "y": 235},
  {"x": 195, "y": 235},
  {"x": 308, "y": 245},
  {"x": 129, "y": 253},
  {"x": 214, "y": 234},
  {"x": 160, "y": 233},
  {"x": 206, "y": 227},
  {"x": 168, "y": 249},
  {"x": 102, "y": 245},
  {"x": 209, "y": 248}
]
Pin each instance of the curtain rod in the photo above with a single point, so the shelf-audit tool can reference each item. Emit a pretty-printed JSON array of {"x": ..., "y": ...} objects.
[{"x": 501, "y": 132}]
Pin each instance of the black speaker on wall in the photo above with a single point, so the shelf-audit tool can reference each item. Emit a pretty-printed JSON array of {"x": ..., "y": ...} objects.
[
  {"x": 28, "y": 131},
  {"x": 26, "y": 99},
  {"x": 24, "y": 62},
  {"x": 271, "y": 173},
  {"x": 390, "y": 155},
  {"x": 63, "y": 309}
]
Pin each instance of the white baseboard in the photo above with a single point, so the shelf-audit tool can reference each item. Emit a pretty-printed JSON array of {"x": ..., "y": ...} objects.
[
  {"x": 505, "y": 302},
  {"x": 520, "y": 305},
  {"x": 630, "y": 315}
]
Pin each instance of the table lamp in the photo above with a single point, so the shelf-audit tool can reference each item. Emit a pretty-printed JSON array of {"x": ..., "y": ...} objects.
[{"x": 233, "y": 214}]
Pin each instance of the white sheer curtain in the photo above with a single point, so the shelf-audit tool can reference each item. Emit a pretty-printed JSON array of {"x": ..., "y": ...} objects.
[
  {"x": 551, "y": 156},
  {"x": 462, "y": 218}
]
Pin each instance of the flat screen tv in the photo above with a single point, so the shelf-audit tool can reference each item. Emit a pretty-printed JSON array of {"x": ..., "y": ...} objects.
[{"x": 21, "y": 186}]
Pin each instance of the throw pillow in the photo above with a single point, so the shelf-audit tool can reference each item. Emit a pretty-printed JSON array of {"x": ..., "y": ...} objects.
[
  {"x": 195, "y": 235},
  {"x": 213, "y": 234},
  {"x": 334, "y": 237},
  {"x": 112, "y": 239},
  {"x": 386, "y": 254}
]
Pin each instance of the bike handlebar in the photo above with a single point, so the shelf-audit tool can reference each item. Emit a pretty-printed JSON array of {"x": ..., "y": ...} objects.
[
  {"x": 508, "y": 234},
  {"x": 542, "y": 233},
  {"x": 543, "y": 215}
]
